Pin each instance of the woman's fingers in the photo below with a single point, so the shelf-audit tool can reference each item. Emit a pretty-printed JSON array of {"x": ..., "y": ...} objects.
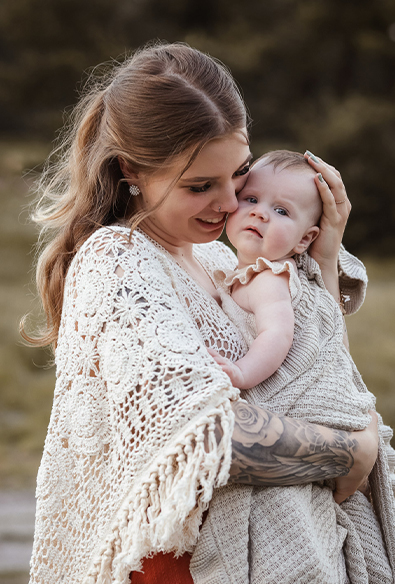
[
  {"x": 334, "y": 207},
  {"x": 335, "y": 187},
  {"x": 364, "y": 459},
  {"x": 331, "y": 175},
  {"x": 316, "y": 160},
  {"x": 335, "y": 212}
]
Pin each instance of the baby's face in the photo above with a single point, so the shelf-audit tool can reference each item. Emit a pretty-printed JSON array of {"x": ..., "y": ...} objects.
[{"x": 276, "y": 216}]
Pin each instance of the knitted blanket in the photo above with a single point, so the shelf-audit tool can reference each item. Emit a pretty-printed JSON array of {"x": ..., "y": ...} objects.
[{"x": 299, "y": 534}]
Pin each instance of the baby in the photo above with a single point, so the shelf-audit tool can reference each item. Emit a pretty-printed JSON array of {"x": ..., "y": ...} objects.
[
  {"x": 278, "y": 215},
  {"x": 297, "y": 364}
]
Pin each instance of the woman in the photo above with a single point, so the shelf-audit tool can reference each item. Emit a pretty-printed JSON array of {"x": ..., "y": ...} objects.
[{"x": 144, "y": 424}]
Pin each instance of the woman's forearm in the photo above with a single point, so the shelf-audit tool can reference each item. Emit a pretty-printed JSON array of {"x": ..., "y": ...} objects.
[{"x": 274, "y": 450}]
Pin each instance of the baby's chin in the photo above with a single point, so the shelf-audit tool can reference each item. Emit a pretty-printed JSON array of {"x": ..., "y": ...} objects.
[{"x": 285, "y": 257}]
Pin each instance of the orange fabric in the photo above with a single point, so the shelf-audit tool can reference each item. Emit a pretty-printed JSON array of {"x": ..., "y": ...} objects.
[{"x": 164, "y": 569}]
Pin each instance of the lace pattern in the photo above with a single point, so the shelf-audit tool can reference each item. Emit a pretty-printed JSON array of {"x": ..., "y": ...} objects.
[{"x": 125, "y": 471}]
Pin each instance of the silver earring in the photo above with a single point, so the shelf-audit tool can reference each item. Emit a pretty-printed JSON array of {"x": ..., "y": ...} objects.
[{"x": 134, "y": 190}]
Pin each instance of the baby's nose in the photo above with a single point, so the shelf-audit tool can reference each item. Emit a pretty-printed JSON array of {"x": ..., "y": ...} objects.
[{"x": 261, "y": 213}]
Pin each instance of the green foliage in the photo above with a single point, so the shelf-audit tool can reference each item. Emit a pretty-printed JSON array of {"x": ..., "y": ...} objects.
[{"x": 26, "y": 383}]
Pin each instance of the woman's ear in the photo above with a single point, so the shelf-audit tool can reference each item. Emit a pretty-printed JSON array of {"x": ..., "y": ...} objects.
[
  {"x": 127, "y": 172},
  {"x": 308, "y": 238}
]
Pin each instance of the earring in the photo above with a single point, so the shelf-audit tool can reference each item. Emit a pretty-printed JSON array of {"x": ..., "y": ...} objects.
[{"x": 134, "y": 190}]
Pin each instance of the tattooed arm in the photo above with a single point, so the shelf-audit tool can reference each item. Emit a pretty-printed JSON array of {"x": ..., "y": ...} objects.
[{"x": 274, "y": 450}]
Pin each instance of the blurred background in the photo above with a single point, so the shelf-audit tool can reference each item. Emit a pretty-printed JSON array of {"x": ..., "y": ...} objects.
[{"x": 315, "y": 75}]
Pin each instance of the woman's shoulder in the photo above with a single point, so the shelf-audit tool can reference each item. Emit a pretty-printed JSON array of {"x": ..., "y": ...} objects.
[
  {"x": 110, "y": 239},
  {"x": 114, "y": 241},
  {"x": 114, "y": 249}
]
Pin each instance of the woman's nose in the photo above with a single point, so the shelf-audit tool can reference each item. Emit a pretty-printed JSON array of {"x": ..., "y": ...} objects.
[{"x": 228, "y": 202}]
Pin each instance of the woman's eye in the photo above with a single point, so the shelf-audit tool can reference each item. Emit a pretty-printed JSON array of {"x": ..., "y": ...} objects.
[
  {"x": 281, "y": 211},
  {"x": 244, "y": 170},
  {"x": 201, "y": 189}
]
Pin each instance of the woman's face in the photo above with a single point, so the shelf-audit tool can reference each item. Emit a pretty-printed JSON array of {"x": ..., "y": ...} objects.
[{"x": 190, "y": 213}]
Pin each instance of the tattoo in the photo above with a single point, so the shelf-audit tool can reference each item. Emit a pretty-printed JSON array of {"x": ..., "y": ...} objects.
[{"x": 274, "y": 450}]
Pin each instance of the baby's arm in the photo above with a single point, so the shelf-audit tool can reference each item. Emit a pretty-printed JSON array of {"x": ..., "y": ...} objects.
[{"x": 268, "y": 298}]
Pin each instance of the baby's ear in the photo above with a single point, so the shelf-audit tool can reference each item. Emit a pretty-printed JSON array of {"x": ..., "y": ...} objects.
[{"x": 307, "y": 239}]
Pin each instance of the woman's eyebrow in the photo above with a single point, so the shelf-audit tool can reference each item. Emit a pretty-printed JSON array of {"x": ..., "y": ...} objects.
[
  {"x": 247, "y": 160},
  {"x": 205, "y": 178},
  {"x": 198, "y": 178}
]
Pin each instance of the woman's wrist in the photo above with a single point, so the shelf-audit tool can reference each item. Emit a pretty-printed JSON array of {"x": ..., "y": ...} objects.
[
  {"x": 274, "y": 450},
  {"x": 330, "y": 275}
]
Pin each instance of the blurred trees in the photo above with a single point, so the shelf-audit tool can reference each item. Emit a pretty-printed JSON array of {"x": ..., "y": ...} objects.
[{"x": 315, "y": 74}]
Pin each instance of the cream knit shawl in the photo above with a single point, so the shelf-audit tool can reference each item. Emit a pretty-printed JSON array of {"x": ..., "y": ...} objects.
[
  {"x": 131, "y": 459},
  {"x": 299, "y": 534}
]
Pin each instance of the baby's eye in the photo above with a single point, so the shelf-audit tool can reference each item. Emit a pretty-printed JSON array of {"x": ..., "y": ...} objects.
[
  {"x": 201, "y": 189},
  {"x": 281, "y": 211},
  {"x": 243, "y": 170},
  {"x": 252, "y": 200}
]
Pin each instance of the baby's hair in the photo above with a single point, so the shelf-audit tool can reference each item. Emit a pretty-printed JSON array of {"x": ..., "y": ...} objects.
[
  {"x": 282, "y": 159},
  {"x": 164, "y": 102}
]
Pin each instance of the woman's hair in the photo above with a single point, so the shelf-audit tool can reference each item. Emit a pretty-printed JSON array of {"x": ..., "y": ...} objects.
[{"x": 163, "y": 102}]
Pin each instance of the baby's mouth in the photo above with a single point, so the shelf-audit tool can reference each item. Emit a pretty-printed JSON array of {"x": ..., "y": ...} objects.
[{"x": 254, "y": 230}]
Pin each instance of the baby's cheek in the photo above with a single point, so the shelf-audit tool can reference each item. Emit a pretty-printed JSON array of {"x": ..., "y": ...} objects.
[
  {"x": 231, "y": 228},
  {"x": 280, "y": 237}
]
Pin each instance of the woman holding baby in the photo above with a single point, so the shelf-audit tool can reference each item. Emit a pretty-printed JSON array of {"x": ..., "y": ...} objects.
[{"x": 145, "y": 425}]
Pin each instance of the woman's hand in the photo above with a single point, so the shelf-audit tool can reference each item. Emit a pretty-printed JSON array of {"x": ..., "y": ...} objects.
[
  {"x": 336, "y": 209},
  {"x": 364, "y": 455},
  {"x": 335, "y": 212}
]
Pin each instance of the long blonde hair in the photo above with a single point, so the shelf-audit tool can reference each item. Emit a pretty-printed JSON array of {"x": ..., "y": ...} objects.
[{"x": 164, "y": 101}]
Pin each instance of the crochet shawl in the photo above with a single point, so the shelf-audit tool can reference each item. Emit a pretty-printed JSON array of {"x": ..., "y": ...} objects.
[
  {"x": 299, "y": 534},
  {"x": 131, "y": 459}
]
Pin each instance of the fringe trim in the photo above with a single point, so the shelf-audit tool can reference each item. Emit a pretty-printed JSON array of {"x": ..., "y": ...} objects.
[{"x": 163, "y": 513}]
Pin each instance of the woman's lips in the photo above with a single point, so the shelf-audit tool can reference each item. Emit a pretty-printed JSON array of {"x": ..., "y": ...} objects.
[{"x": 212, "y": 224}]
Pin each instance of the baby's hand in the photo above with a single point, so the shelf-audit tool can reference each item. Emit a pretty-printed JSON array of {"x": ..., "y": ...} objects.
[{"x": 231, "y": 369}]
